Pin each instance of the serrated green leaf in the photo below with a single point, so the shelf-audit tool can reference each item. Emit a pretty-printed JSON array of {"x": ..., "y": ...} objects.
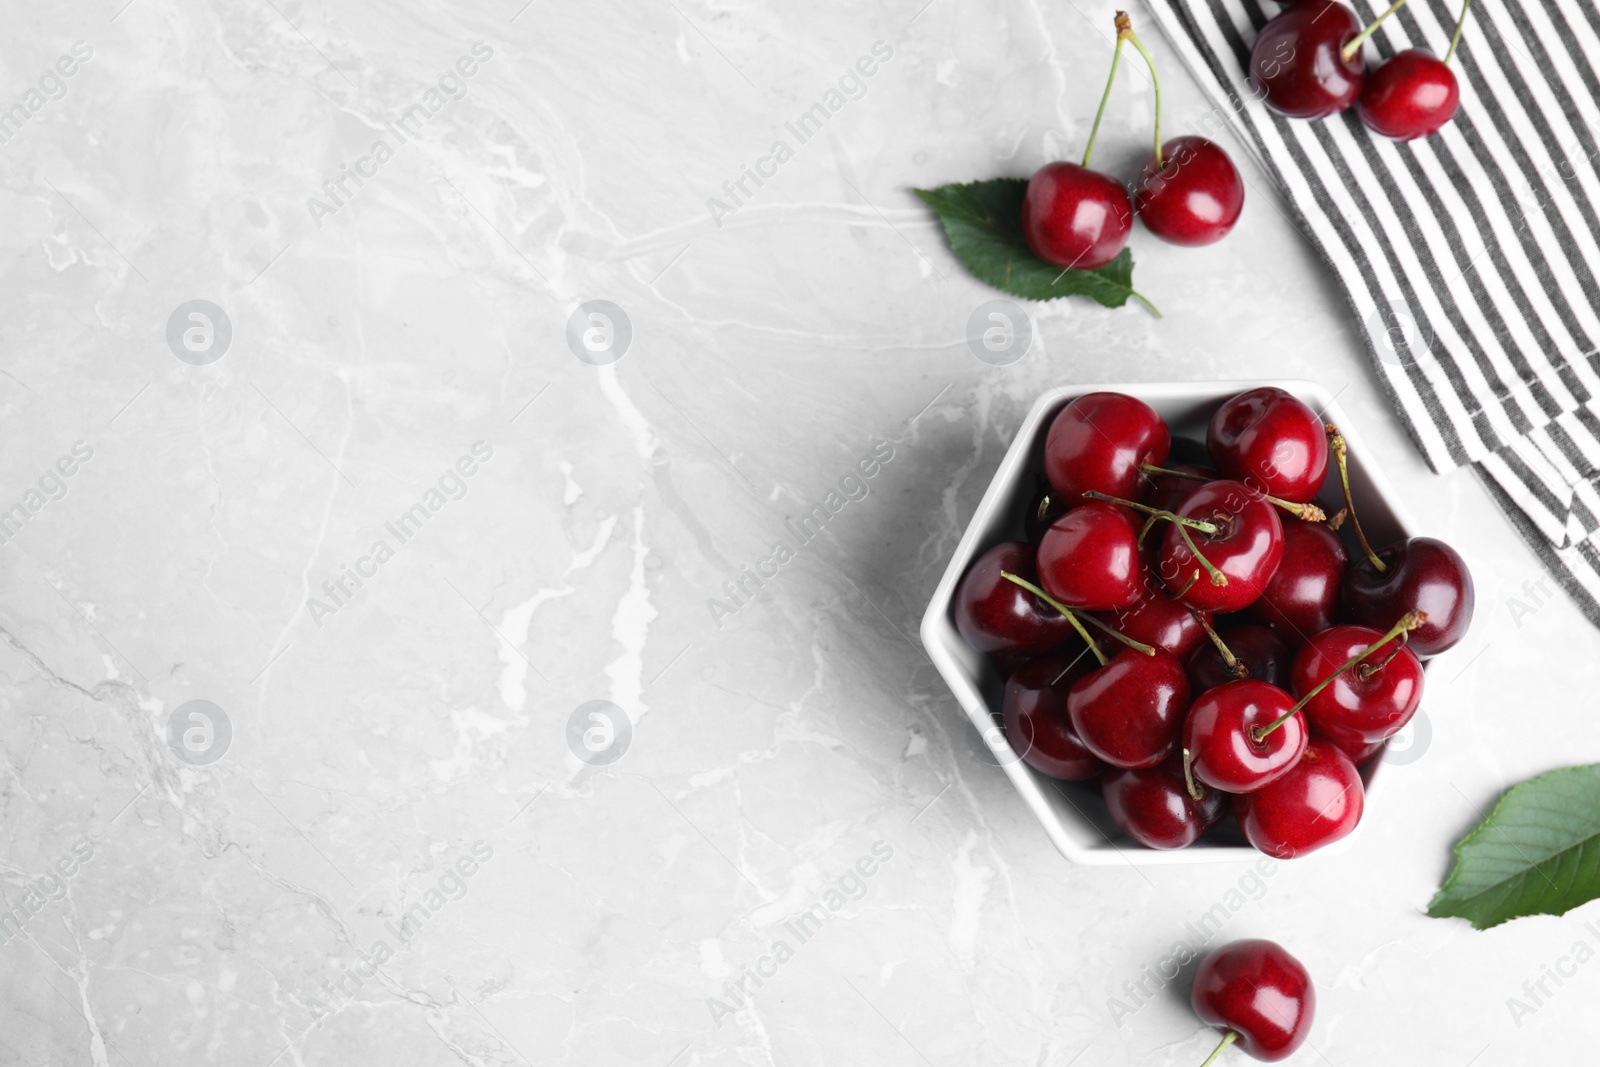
[
  {"x": 983, "y": 221},
  {"x": 1538, "y": 853}
]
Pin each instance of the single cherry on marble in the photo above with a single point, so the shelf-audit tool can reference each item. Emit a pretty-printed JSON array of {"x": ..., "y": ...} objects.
[
  {"x": 1258, "y": 995},
  {"x": 1192, "y": 195}
]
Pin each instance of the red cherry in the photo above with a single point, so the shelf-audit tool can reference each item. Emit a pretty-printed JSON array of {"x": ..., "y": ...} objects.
[
  {"x": 1129, "y": 712},
  {"x": 1424, "y": 574},
  {"x": 1366, "y": 702},
  {"x": 1156, "y": 619},
  {"x": 1245, "y": 550},
  {"x": 1297, "y": 64},
  {"x": 1074, "y": 217},
  {"x": 1316, "y": 803},
  {"x": 1265, "y": 654},
  {"x": 1089, "y": 558},
  {"x": 1303, "y": 595},
  {"x": 1272, "y": 441},
  {"x": 1099, "y": 441},
  {"x": 1410, "y": 96},
  {"x": 1193, "y": 196},
  {"x": 1034, "y": 714},
  {"x": 1224, "y": 754},
  {"x": 996, "y": 615},
  {"x": 1153, "y": 805},
  {"x": 1259, "y": 992}
]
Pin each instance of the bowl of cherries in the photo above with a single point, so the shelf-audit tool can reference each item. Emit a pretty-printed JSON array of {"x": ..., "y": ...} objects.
[{"x": 1186, "y": 619}]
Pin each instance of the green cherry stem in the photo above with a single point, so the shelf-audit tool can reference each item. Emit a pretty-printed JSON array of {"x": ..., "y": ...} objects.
[
  {"x": 1111, "y": 78},
  {"x": 1455, "y": 38},
  {"x": 1210, "y": 529},
  {"x": 1071, "y": 615},
  {"x": 1354, "y": 46},
  {"x": 1217, "y": 577},
  {"x": 1188, "y": 778},
  {"x": 1341, "y": 456},
  {"x": 1227, "y": 1039},
  {"x": 1125, "y": 32},
  {"x": 1237, "y": 669},
  {"x": 1402, "y": 629},
  {"x": 1304, "y": 512},
  {"x": 1137, "y": 646}
]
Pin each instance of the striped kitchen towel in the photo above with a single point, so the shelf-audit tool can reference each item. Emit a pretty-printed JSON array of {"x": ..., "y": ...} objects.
[{"x": 1472, "y": 257}]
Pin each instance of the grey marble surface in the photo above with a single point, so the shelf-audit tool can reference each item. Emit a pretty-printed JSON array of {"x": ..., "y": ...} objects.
[{"x": 377, "y": 843}]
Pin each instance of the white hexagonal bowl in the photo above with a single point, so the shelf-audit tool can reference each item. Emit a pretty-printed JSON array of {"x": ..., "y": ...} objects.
[{"x": 1073, "y": 815}]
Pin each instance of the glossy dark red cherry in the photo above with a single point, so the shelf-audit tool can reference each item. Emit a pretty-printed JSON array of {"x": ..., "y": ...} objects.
[
  {"x": 1153, "y": 805},
  {"x": 1264, "y": 653},
  {"x": 1089, "y": 558},
  {"x": 1296, "y": 63},
  {"x": 1225, "y": 754},
  {"x": 1256, "y": 990},
  {"x": 1099, "y": 441},
  {"x": 1130, "y": 711},
  {"x": 1424, "y": 574},
  {"x": 1044, "y": 507},
  {"x": 1315, "y": 804},
  {"x": 996, "y": 615},
  {"x": 1303, "y": 596},
  {"x": 1193, "y": 196},
  {"x": 1366, "y": 703},
  {"x": 1272, "y": 441},
  {"x": 1034, "y": 714},
  {"x": 1076, "y": 218},
  {"x": 1412, "y": 95},
  {"x": 1245, "y": 550},
  {"x": 1156, "y": 619}
]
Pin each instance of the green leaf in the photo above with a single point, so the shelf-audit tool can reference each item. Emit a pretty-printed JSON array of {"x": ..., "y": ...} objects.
[
  {"x": 984, "y": 223},
  {"x": 1538, "y": 853}
]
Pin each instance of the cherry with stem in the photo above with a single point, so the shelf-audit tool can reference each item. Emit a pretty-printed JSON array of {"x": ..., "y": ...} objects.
[
  {"x": 1307, "y": 512},
  {"x": 1410, "y": 621},
  {"x": 1341, "y": 456}
]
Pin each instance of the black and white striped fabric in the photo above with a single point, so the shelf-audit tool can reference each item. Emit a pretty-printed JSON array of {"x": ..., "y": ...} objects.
[{"x": 1472, "y": 257}]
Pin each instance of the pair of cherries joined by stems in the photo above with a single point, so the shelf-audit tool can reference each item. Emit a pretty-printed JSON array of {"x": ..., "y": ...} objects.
[
  {"x": 1309, "y": 63},
  {"x": 1259, "y": 665},
  {"x": 1188, "y": 192}
]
